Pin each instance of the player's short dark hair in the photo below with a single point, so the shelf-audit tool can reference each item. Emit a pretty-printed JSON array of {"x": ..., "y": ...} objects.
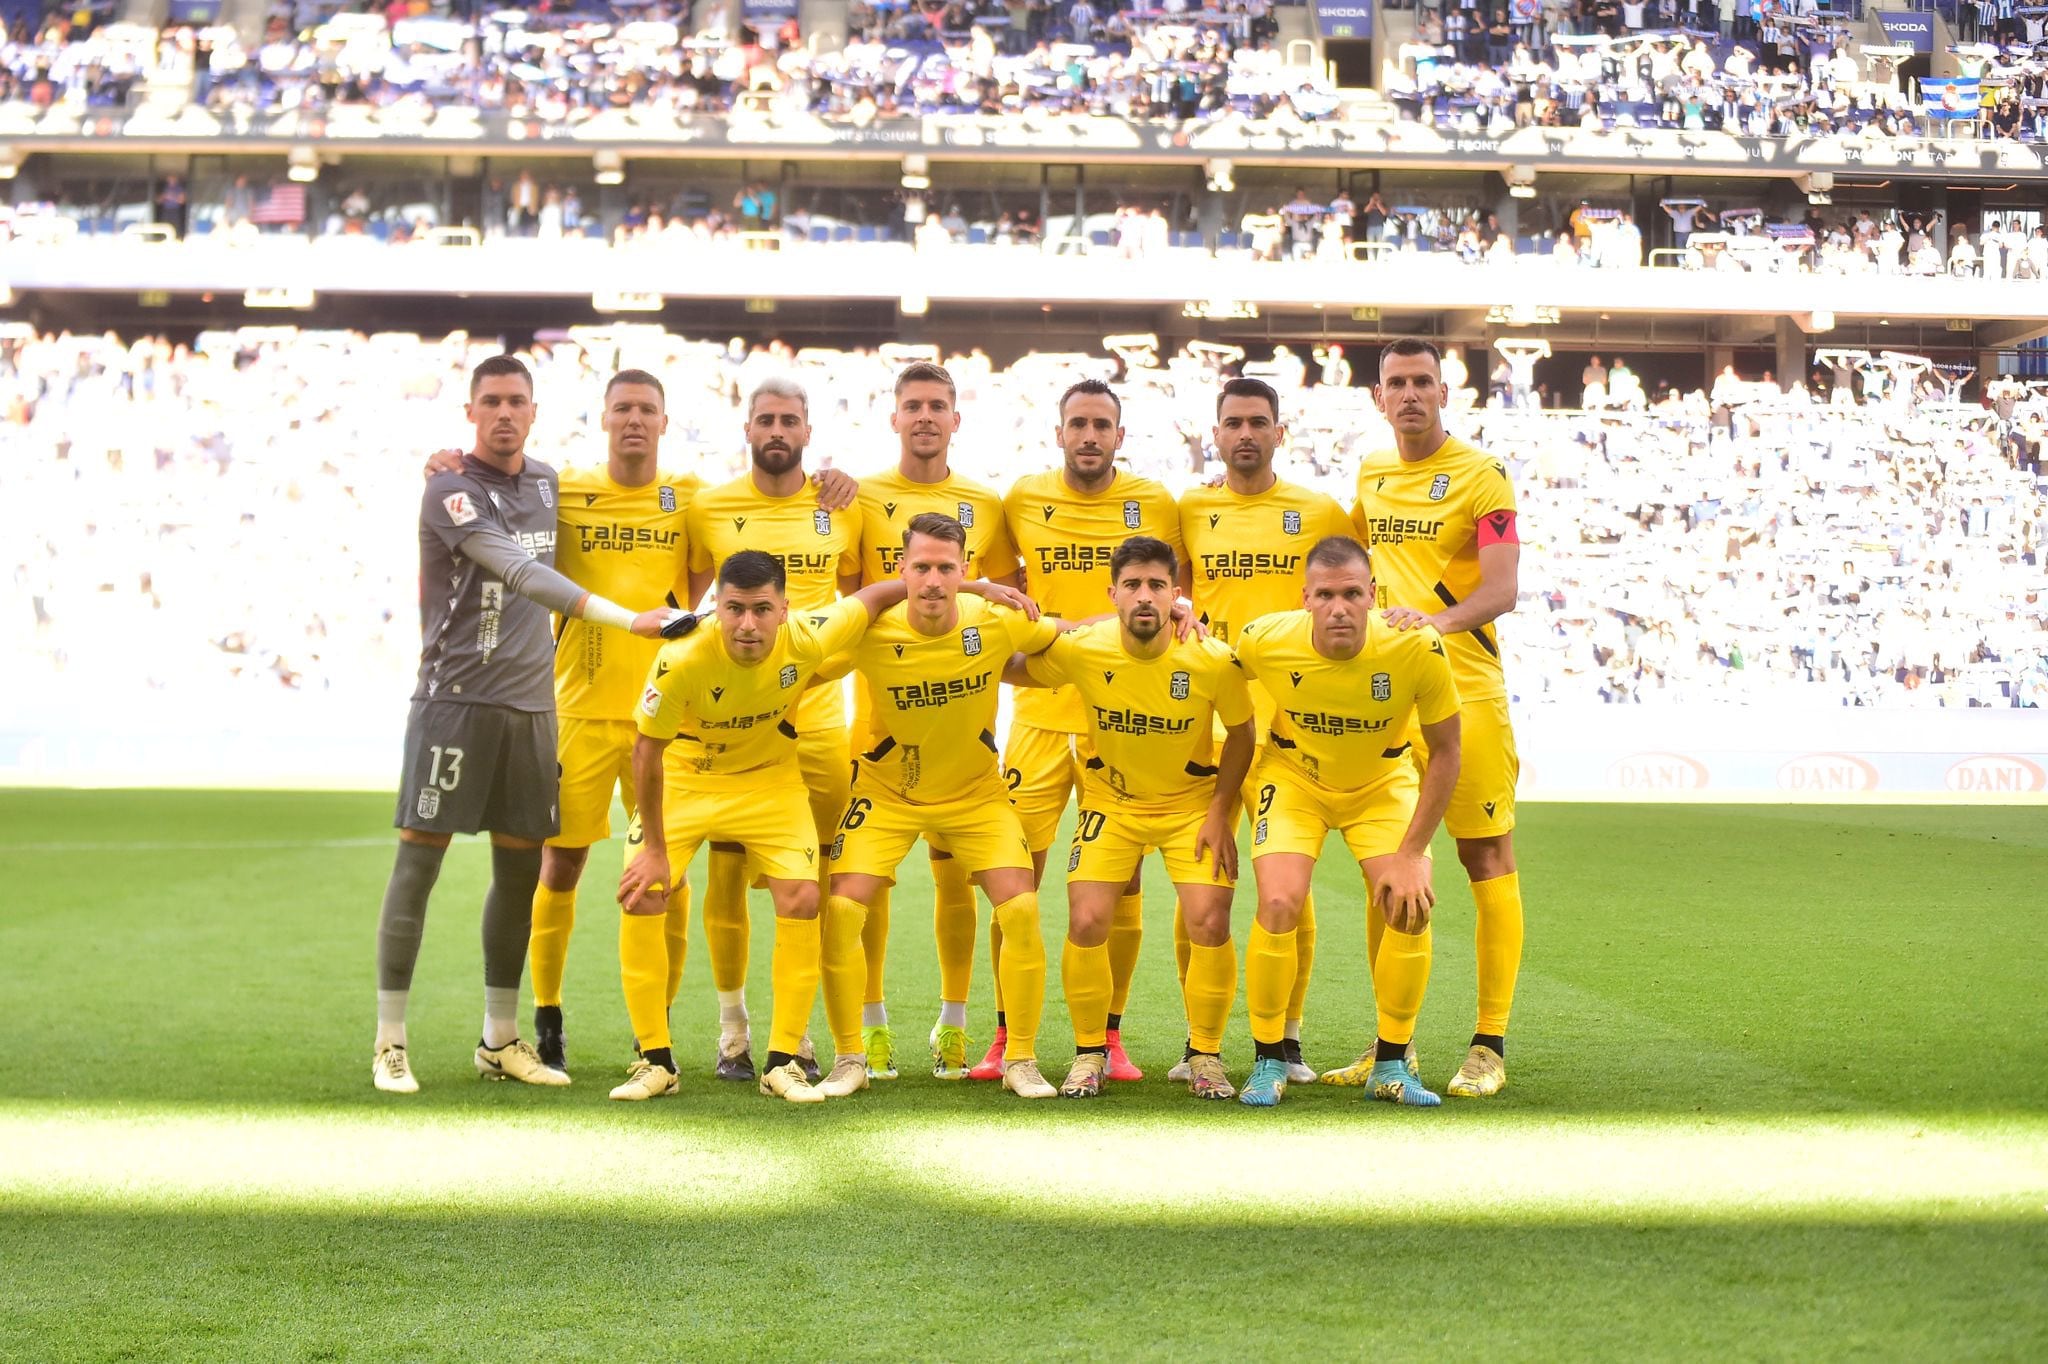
[
  {"x": 496, "y": 366},
  {"x": 936, "y": 526},
  {"x": 750, "y": 569},
  {"x": 1248, "y": 388},
  {"x": 636, "y": 376},
  {"x": 1092, "y": 388},
  {"x": 1336, "y": 551},
  {"x": 1143, "y": 549},
  {"x": 925, "y": 372},
  {"x": 1412, "y": 345}
]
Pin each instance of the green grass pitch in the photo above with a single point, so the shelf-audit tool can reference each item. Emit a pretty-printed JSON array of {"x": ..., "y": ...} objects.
[{"x": 1779, "y": 1090}]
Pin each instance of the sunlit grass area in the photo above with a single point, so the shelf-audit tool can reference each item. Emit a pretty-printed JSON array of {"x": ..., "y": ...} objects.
[{"x": 1776, "y": 1091}]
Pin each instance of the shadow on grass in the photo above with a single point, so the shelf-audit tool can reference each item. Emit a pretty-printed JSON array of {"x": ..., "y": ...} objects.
[{"x": 894, "y": 1276}]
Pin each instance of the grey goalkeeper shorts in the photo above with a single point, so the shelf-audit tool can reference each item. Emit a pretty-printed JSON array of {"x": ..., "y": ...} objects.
[{"x": 469, "y": 768}]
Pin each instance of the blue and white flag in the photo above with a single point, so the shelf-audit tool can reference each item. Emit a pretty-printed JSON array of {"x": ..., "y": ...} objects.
[{"x": 1954, "y": 97}]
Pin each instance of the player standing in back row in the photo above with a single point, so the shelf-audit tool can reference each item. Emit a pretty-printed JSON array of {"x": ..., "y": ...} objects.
[
  {"x": 1067, "y": 524},
  {"x": 1438, "y": 515},
  {"x": 480, "y": 740}
]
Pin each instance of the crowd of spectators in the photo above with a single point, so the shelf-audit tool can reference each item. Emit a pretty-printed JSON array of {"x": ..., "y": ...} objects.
[{"x": 236, "y": 521}]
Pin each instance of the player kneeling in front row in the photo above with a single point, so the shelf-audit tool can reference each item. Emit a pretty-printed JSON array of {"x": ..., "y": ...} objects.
[
  {"x": 1153, "y": 781},
  {"x": 927, "y": 767},
  {"x": 1347, "y": 688},
  {"x": 716, "y": 760}
]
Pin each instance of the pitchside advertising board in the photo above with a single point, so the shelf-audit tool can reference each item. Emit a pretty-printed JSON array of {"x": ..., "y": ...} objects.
[{"x": 1748, "y": 753}]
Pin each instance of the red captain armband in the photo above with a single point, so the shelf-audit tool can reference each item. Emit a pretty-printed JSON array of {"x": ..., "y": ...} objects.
[{"x": 1498, "y": 528}]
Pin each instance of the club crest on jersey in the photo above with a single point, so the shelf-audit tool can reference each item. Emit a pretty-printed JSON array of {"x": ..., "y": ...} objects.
[
  {"x": 1382, "y": 687},
  {"x": 1290, "y": 523},
  {"x": 429, "y": 803},
  {"x": 547, "y": 494},
  {"x": 966, "y": 515},
  {"x": 1178, "y": 686},
  {"x": 821, "y": 521},
  {"x": 458, "y": 508},
  {"x": 788, "y": 677},
  {"x": 668, "y": 498},
  {"x": 1438, "y": 486},
  {"x": 970, "y": 640},
  {"x": 1131, "y": 516}
]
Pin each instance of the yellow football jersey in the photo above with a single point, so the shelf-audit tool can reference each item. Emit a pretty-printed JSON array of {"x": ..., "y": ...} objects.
[
  {"x": 1151, "y": 719},
  {"x": 1064, "y": 539},
  {"x": 1424, "y": 522},
  {"x": 730, "y": 720},
  {"x": 1245, "y": 553},
  {"x": 1343, "y": 724},
  {"x": 816, "y": 547},
  {"x": 931, "y": 737},
  {"x": 628, "y": 544},
  {"x": 887, "y": 502}
]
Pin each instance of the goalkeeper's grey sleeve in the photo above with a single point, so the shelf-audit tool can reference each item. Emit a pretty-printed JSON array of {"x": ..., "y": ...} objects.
[{"x": 501, "y": 556}]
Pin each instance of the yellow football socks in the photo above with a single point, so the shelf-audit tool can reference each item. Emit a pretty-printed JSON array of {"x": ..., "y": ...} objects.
[
  {"x": 726, "y": 929},
  {"x": 675, "y": 928},
  {"x": 845, "y": 970},
  {"x": 1181, "y": 943},
  {"x": 953, "y": 927},
  {"x": 874, "y": 943},
  {"x": 1126, "y": 935},
  {"x": 1498, "y": 933},
  {"x": 1270, "y": 960},
  {"x": 643, "y": 975},
  {"x": 1022, "y": 974},
  {"x": 547, "y": 946},
  {"x": 1400, "y": 975},
  {"x": 1086, "y": 973},
  {"x": 795, "y": 966},
  {"x": 1304, "y": 957},
  {"x": 1210, "y": 988}
]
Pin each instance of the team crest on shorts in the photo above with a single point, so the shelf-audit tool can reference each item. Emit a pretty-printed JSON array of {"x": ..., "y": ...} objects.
[
  {"x": 1259, "y": 833},
  {"x": 1290, "y": 522},
  {"x": 1074, "y": 860},
  {"x": 1438, "y": 486},
  {"x": 668, "y": 499},
  {"x": 970, "y": 640},
  {"x": 1382, "y": 687},
  {"x": 547, "y": 494},
  {"x": 788, "y": 678},
  {"x": 1178, "y": 685},
  {"x": 966, "y": 515},
  {"x": 1131, "y": 516},
  {"x": 429, "y": 803},
  {"x": 821, "y": 521},
  {"x": 838, "y": 846}
]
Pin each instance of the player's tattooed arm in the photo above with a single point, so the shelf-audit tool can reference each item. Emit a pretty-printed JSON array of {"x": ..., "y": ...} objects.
[
  {"x": 1401, "y": 881},
  {"x": 645, "y": 886},
  {"x": 836, "y": 491}
]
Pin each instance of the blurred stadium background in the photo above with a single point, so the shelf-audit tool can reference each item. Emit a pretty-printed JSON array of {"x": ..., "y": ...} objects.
[{"x": 1750, "y": 302}]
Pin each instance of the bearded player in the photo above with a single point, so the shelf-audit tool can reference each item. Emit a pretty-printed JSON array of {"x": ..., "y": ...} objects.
[
  {"x": 925, "y": 417},
  {"x": 1439, "y": 516},
  {"x": 767, "y": 508},
  {"x": 1067, "y": 524},
  {"x": 1246, "y": 540}
]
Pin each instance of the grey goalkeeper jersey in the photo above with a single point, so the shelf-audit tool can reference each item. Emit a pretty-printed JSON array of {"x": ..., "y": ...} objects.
[{"x": 481, "y": 642}]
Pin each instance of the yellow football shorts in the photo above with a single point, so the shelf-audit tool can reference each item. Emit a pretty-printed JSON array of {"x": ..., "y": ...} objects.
[
  {"x": 877, "y": 829},
  {"x": 1110, "y": 842},
  {"x": 828, "y": 775},
  {"x": 596, "y": 758},
  {"x": 1041, "y": 770},
  {"x": 771, "y": 817},
  {"x": 1292, "y": 815},
  {"x": 1483, "y": 802}
]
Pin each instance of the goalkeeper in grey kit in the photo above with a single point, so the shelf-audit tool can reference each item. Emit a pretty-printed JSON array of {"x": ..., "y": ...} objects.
[{"x": 480, "y": 738}]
